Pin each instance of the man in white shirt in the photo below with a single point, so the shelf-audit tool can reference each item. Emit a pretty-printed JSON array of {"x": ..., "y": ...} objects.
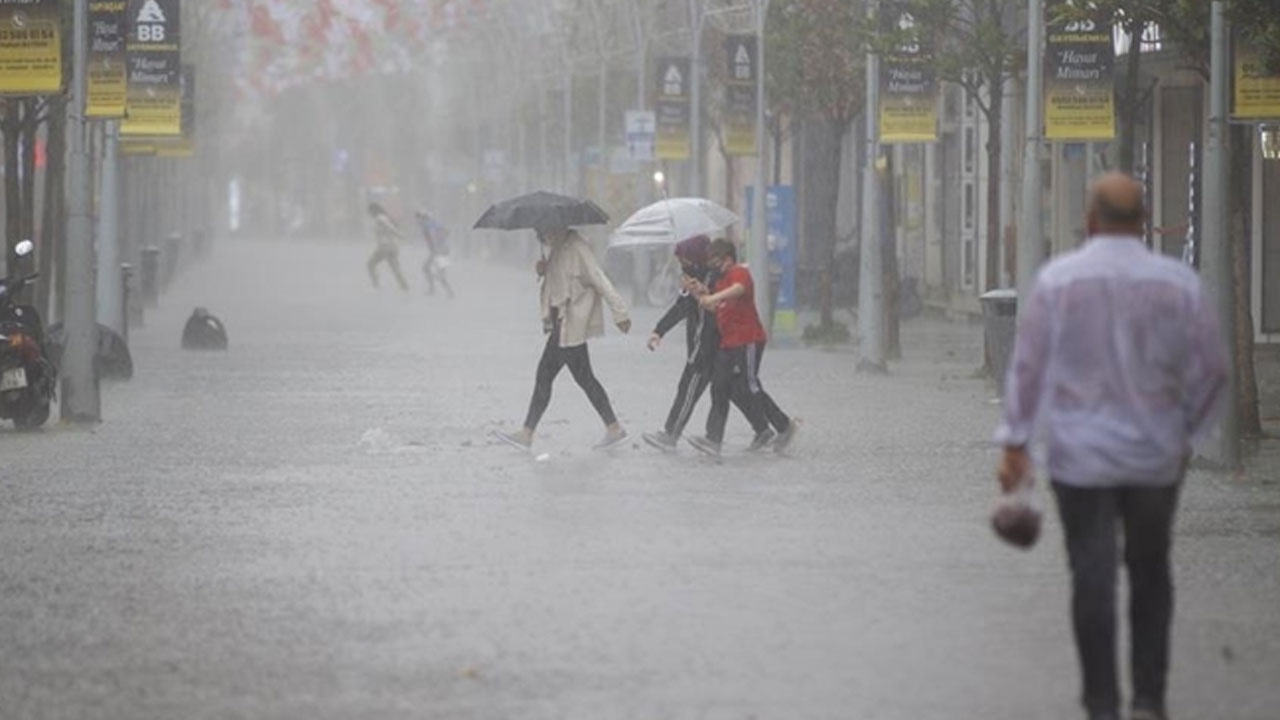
[{"x": 1118, "y": 365}]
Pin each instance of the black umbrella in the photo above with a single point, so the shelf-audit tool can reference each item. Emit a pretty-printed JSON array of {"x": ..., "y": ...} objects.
[{"x": 542, "y": 211}]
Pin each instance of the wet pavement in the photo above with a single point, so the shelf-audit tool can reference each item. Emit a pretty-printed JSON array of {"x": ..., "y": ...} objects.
[{"x": 316, "y": 524}]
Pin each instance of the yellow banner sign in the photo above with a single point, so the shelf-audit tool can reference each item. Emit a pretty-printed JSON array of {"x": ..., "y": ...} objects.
[
  {"x": 908, "y": 84},
  {"x": 154, "y": 97},
  {"x": 137, "y": 147},
  {"x": 183, "y": 146},
  {"x": 173, "y": 146},
  {"x": 106, "y": 70},
  {"x": 1079, "y": 88},
  {"x": 30, "y": 47},
  {"x": 1257, "y": 91}
]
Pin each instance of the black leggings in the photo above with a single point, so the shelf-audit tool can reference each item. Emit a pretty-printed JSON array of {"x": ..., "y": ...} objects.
[
  {"x": 736, "y": 378},
  {"x": 555, "y": 357}
]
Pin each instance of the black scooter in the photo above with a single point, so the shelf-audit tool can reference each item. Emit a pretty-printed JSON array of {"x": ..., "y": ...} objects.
[{"x": 28, "y": 380}]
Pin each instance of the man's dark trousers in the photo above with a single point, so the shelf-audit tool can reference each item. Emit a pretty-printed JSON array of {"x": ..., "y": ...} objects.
[{"x": 1090, "y": 517}]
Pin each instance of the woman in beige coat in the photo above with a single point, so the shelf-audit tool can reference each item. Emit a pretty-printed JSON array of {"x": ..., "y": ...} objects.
[{"x": 574, "y": 292}]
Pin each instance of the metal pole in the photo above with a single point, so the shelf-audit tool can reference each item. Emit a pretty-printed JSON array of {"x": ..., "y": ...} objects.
[
  {"x": 569, "y": 188},
  {"x": 602, "y": 109},
  {"x": 759, "y": 250},
  {"x": 109, "y": 280},
  {"x": 522, "y": 142},
  {"x": 1007, "y": 169},
  {"x": 80, "y": 400},
  {"x": 1216, "y": 260},
  {"x": 602, "y": 87},
  {"x": 870, "y": 276},
  {"x": 1031, "y": 235},
  {"x": 642, "y": 183},
  {"x": 544, "y": 161},
  {"x": 695, "y": 99}
]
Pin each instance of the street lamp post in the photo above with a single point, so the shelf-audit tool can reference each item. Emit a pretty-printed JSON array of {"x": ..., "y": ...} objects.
[
  {"x": 1216, "y": 260},
  {"x": 696, "y": 19},
  {"x": 569, "y": 187},
  {"x": 870, "y": 272},
  {"x": 759, "y": 249},
  {"x": 637, "y": 28},
  {"x": 1031, "y": 234},
  {"x": 81, "y": 401}
]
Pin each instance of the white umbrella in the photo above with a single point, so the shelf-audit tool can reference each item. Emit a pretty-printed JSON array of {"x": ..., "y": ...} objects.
[{"x": 669, "y": 221}]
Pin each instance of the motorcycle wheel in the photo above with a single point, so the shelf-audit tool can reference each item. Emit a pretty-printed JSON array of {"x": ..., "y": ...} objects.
[{"x": 33, "y": 418}]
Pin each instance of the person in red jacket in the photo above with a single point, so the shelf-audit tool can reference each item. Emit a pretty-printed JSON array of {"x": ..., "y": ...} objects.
[{"x": 736, "y": 374}]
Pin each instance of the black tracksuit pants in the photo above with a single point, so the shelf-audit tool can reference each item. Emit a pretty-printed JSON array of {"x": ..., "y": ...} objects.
[
  {"x": 736, "y": 378},
  {"x": 553, "y": 359},
  {"x": 694, "y": 381}
]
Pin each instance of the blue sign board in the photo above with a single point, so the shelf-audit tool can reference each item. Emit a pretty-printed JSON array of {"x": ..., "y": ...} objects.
[{"x": 780, "y": 214}]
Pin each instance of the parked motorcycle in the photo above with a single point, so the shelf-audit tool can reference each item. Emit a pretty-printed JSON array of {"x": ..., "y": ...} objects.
[{"x": 28, "y": 380}]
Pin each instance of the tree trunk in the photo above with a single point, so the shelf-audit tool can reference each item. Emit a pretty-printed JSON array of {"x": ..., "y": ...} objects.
[
  {"x": 730, "y": 185},
  {"x": 994, "y": 159},
  {"x": 1241, "y": 190},
  {"x": 12, "y": 184},
  {"x": 52, "y": 226},
  {"x": 889, "y": 259},
  {"x": 1130, "y": 101},
  {"x": 777, "y": 152},
  {"x": 824, "y": 194}
]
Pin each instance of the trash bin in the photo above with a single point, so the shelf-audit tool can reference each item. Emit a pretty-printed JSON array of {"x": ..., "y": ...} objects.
[
  {"x": 999, "y": 325},
  {"x": 126, "y": 279},
  {"x": 150, "y": 276},
  {"x": 172, "y": 254},
  {"x": 200, "y": 243}
]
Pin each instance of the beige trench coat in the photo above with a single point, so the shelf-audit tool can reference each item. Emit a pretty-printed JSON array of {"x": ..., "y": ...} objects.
[{"x": 575, "y": 284}]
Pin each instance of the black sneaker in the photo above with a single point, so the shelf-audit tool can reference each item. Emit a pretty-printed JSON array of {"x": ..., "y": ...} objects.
[
  {"x": 786, "y": 436},
  {"x": 762, "y": 440},
  {"x": 660, "y": 440},
  {"x": 706, "y": 445}
]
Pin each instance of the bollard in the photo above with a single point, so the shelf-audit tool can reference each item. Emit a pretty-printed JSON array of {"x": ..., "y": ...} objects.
[
  {"x": 126, "y": 276},
  {"x": 172, "y": 254},
  {"x": 150, "y": 276},
  {"x": 200, "y": 243}
]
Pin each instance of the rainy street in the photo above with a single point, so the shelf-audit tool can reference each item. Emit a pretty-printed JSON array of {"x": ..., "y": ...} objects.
[{"x": 316, "y": 524}]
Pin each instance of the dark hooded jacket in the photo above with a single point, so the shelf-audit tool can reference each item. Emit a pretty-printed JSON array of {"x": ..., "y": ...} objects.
[{"x": 701, "y": 334}]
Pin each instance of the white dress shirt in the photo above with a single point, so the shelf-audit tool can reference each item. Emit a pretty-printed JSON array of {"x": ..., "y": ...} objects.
[{"x": 1119, "y": 363}]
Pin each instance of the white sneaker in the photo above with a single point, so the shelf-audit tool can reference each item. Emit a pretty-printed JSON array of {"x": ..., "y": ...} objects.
[
  {"x": 660, "y": 440},
  {"x": 611, "y": 438},
  {"x": 706, "y": 445},
  {"x": 515, "y": 439},
  {"x": 786, "y": 436}
]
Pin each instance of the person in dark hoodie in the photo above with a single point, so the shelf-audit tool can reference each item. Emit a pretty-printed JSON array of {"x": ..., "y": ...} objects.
[{"x": 702, "y": 339}]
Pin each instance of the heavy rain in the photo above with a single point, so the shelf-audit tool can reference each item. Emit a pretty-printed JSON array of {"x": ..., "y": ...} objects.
[{"x": 866, "y": 359}]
